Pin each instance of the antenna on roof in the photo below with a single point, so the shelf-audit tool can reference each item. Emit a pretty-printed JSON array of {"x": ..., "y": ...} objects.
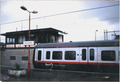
[
  {"x": 36, "y": 26},
  {"x": 16, "y": 28},
  {"x": 21, "y": 26}
]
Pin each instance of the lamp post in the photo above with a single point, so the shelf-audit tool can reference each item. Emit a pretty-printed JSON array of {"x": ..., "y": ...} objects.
[
  {"x": 34, "y": 12},
  {"x": 95, "y": 34}
]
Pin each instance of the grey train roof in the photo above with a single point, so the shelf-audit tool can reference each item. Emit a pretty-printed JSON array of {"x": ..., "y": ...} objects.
[{"x": 79, "y": 44}]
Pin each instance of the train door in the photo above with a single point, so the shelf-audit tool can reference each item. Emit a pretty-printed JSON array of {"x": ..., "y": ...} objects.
[
  {"x": 92, "y": 58},
  {"x": 92, "y": 55},
  {"x": 88, "y": 55},
  {"x": 39, "y": 55},
  {"x": 83, "y": 55},
  {"x": 38, "y": 58}
]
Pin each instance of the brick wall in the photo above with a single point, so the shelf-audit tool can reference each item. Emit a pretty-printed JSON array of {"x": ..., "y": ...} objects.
[{"x": 9, "y": 57}]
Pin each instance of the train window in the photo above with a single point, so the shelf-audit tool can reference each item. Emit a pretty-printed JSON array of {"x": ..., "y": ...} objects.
[
  {"x": 91, "y": 54},
  {"x": 108, "y": 55},
  {"x": 48, "y": 55},
  {"x": 83, "y": 54},
  {"x": 70, "y": 55},
  {"x": 39, "y": 55},
  {"x": 57, "y": 55}
]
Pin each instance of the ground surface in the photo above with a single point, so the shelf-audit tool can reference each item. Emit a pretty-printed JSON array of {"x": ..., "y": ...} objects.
[{"x": 55, "y": 75}]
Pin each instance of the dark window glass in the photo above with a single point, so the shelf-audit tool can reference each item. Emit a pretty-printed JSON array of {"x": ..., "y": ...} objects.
[
  {"x": 8, "y": 40},
  {"x": 21, "y": 39},
  {"x": 83, "y": 54},
  {"x": 108, "y": 55},
  {"x": 48, "y": 55},
  {"x": 12, "y": 57},
  {"x": 91, "y": 54},
  {"x": 57, "y": 55},
  {"x": 2, "y": 48},
  {"x": 24, "y": 58},
  {"x": 13, "y": 40},
  {"x": 70, "y": 55},
  {"x": 39, "y": 55}
]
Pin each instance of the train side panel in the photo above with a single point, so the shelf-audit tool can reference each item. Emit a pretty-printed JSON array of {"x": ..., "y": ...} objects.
[
  {"x": 108, "y": 59},
  {"x": 93, "y": 59}
]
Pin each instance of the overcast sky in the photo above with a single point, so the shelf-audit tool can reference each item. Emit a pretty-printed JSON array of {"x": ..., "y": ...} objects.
[{"x": 80, "y": 26}]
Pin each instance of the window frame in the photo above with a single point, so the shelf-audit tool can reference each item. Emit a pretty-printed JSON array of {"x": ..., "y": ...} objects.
[
  {"x": 53, "y": 54},
  {"x": 25, "y": 58},
  {"x": 70, "y": 54},
  {"x": 83, "y": 54},
  {"x": 39, "y": 55},
  {"x": 106, "y": 58},
  {"x": 12, "y": 57},
  {"x": 48, "y": 54},
  {"x": 92, "y": 54}
]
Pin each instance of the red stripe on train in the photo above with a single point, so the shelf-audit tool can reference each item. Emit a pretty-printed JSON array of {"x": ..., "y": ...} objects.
[
  {"x": 57, "y": 62},
  {"x": 66, "y": 62},
  {"x": 108, "y": 63}
]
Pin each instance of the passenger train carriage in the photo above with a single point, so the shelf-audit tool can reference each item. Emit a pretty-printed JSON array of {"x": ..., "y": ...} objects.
[{"x": 91, "y": 56}]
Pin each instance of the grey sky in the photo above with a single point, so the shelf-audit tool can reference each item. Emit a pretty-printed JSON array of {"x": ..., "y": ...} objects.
[
  {"x": 75, "y": 24},
  {"x": 103, "y": 13}
]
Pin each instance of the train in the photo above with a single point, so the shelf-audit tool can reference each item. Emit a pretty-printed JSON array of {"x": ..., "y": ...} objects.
[{"x": 89, "y": 56}]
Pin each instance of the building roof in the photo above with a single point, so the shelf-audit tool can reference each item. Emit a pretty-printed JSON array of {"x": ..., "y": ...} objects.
[
  {"x": 79, "y": 44},
  {"x": 34, "y": 31}
]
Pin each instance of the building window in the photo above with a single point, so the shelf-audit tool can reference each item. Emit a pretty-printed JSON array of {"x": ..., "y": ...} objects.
[
  {"x": 57, "y": 55},
  {"x": 53, "y": 38},
  {"x": 24, "y": 58},
  {"x": 11, "y": 40},
  {"x": 91, "y": 54},
  {"x": 21, "y": 39},
  {"x": 32, "y": 37},
  {"x": 39, "y": 55},
  {"x": 83, "y": 54},
  {"x": 12, "y": 58},
  {"x": 108, "y": 55},
  {"x": 8, "y": 40},
  {"x": 48, "y": 55},
  {"x": 70, "y": 55}
]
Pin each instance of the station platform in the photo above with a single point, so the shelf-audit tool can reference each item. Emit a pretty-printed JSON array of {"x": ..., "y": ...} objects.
[{"x": 56, "y": 75}]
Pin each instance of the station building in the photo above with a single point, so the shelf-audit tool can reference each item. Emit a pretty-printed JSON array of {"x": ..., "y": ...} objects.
[
  {"x": 45, "y": 35},
  {"x": 16, "y": 52}
]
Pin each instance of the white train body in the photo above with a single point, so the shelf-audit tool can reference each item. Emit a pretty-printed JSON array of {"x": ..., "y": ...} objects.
[{"x": 94, "y": 56}]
